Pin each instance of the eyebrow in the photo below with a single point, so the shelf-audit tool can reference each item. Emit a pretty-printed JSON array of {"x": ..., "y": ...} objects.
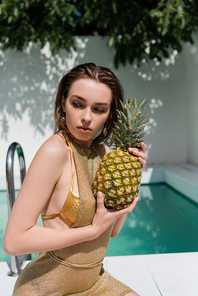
[{"x": 81, "y": 98}]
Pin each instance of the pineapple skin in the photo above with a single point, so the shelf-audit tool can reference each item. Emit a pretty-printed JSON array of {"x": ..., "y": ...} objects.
[{"x": 119, "y": 178}]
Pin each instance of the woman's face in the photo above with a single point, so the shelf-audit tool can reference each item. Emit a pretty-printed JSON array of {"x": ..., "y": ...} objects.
[{"x": 87, "y": 108}]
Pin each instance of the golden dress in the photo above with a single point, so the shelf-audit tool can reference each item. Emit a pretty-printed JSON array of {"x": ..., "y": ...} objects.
[{"x": 78, "y": 269}]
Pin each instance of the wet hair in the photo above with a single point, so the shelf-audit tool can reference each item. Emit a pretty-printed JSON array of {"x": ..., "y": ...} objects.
[{"x": 99, "y": 74}]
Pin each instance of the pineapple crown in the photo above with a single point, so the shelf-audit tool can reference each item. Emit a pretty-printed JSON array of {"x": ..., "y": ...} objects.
[{"x": 130, "y": 124}]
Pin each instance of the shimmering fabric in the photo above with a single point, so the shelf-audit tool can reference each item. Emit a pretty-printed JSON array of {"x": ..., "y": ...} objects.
[{"x": 75, "y": 270}]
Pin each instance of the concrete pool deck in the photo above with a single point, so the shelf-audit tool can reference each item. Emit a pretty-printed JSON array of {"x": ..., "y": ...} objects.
[{"x": 149, "y": 275}]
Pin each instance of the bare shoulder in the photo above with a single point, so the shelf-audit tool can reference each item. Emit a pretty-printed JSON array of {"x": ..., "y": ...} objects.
[
  {"x": 101, "y": 149},
  {"x": 55, "y": 149}
]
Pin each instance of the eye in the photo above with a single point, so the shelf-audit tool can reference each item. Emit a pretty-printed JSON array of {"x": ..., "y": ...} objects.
[
  {"x": 99, "y": 110},
  {"x": 76, "y": 104}
]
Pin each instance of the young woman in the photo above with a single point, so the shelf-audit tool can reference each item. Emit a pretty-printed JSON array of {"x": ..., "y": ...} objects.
[{"x": 58, "y": 185}]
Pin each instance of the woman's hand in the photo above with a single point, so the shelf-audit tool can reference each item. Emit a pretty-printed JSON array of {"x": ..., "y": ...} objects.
[
  {"x": 139, "y": 152},
  {"x": 105, "y": 217}
]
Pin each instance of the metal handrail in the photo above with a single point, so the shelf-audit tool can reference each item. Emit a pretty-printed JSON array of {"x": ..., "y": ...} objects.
[{"x": 16, "y": 261}]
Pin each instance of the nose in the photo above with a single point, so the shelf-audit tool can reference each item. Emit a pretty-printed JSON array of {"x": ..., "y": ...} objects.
[{"x": 86, "y": 116}]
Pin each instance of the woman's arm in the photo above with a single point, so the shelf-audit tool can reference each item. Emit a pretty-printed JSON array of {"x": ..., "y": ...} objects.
[
  {"x": 104, "y": 217},
  {"x": 22, "y": 235}
]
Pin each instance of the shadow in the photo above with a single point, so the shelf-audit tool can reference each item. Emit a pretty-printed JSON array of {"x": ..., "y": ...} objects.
[
  {"x": 163, "y": 86},
  {"x": 29, "y": 81}
]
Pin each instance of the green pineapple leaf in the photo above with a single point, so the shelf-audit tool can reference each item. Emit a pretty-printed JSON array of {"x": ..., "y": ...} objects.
[{"x": 128, "y": 130}]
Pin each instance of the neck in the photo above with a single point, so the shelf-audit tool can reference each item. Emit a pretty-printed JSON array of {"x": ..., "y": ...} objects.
[{"x": 86, "y": 145}]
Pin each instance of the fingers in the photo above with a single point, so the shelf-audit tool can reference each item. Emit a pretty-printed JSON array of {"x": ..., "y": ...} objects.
[
  {"x": 105, "y": 217},
  {"x": 139, "y": 153},
  {"x": 142, "y": 161},
  {"x": 143, "y": 146},
  {"x": 100, "y": 201},
  {"x": 100, "y": 197},
  {"x": 100, "y": 205},
  {"x": 131, "y": 207}
]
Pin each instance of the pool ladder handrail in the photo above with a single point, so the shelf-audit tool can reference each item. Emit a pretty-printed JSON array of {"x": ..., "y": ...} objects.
[{"x": 16, "y": 261}]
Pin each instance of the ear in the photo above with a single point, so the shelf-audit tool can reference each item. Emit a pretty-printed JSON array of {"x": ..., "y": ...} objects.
[{"x": 63, "y": 103}]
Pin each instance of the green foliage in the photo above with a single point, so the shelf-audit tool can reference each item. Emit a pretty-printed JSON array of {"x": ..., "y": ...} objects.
[{"x": 138, "y": 30}]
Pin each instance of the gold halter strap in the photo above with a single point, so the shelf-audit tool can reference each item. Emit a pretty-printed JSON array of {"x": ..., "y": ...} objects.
[
  {"x": 70, "y": 208},
  {"x": 72, "y": 163}
]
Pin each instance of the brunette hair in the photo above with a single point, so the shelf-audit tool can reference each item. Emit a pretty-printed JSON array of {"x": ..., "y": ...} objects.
[{"x": 99, "y": 74}]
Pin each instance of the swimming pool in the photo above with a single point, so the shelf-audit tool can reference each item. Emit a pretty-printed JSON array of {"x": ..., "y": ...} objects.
[{"x": 164, "y": 221}]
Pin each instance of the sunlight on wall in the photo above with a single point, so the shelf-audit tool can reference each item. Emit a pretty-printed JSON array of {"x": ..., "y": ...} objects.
[
  {"x": 152, "y": 71},
  {"x": 29, "y": 80}
]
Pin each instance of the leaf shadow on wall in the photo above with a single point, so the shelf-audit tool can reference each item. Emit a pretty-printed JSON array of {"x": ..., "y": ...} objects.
[{"x": 29, "y": 82}]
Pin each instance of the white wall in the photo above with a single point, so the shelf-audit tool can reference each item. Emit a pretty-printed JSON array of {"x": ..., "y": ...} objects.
[
  {"x": 191, "y": 57},
  {"x": 28, "y": 83}
]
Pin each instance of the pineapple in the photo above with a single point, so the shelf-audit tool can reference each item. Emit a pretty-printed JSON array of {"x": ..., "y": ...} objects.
[{"x": 119, "y": 172}]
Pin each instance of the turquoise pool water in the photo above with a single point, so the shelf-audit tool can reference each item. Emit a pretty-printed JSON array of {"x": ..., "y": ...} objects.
[{"x": 164, "y": 221}]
